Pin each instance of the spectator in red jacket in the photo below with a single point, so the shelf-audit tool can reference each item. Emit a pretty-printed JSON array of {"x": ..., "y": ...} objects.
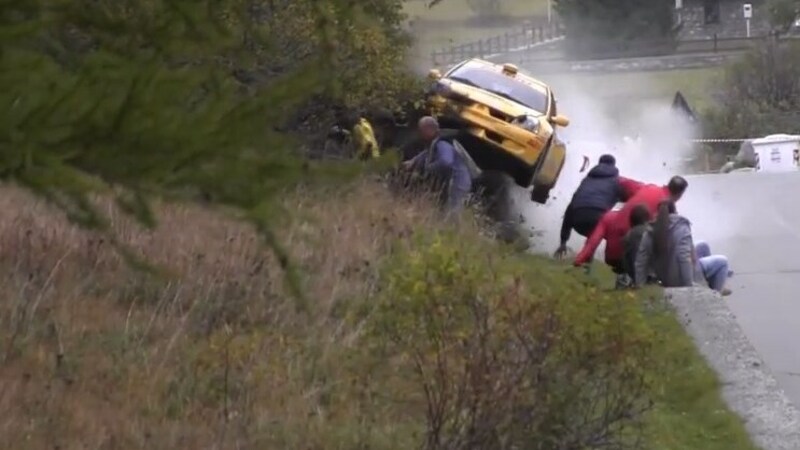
[
  {"x": 651, "y": 196},
  {"x": 608, "y": 230},
  {"x": 614, "y": 225}
]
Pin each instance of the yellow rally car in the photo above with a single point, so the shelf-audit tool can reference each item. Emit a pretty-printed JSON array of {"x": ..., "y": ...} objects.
[{"x": 508, "y": 118}]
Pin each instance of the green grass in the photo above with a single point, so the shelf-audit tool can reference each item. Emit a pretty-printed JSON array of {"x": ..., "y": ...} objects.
[
  {"x": 689, "y": 411},
  {"x": 459, "y": 11}
]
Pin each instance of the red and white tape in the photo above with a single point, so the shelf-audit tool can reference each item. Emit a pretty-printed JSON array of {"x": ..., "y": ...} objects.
[{"x": 716, "y": 141}]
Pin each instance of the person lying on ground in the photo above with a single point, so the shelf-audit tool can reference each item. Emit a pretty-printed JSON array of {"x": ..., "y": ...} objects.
[
  {"x": 599, "y": 191},
  {"x": 651, "y": 196},
  {"x": 667, "y": 249},
  {"x": 640, "y": 224},
  {"x": 447, "y": 163},
  {"x": 715, "y": 268}
]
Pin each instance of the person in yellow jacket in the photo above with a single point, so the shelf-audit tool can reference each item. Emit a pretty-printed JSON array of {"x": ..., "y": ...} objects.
[{"x": 364, "y": 142}]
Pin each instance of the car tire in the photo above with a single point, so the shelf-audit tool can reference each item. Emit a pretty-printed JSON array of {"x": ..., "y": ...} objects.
[
  {"x": 540, "y": 194},
  {"x": 493, "y": 191}
]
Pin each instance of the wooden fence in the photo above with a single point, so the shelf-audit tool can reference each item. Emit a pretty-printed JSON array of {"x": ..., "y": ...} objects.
[
  {"x": 522, "y": 38},
  {"x": 528, "y": 37}
]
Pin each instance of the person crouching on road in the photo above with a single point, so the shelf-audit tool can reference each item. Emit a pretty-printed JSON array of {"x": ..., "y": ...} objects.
[
  {"x": 447, "y": 163},
  {"x": 599, "y": 191}
]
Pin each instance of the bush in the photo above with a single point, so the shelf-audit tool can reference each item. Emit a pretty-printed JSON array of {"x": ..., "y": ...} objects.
[
  {"x": 782, "y": 14},
  {"x": 760, "y": 94},
  {"x": 608, "y": 28},
  {"x": 514, "y": 351},
  {"x": 503, "y": 353},
  {"x": 174, "y": 97}
]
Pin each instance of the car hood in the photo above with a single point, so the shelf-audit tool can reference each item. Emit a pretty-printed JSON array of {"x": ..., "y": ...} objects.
[{"x": 491, "y": 100}]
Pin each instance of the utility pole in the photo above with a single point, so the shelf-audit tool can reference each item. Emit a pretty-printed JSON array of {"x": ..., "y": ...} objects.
[{"x": 549, "y": 11}]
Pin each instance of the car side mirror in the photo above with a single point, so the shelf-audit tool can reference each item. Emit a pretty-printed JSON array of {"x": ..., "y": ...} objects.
[
  {"x": 560, "y": 121},
  {"x": 434, "y": 74}
]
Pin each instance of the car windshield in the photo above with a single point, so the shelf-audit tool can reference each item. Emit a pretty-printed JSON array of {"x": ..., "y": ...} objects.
[{"x": 502, "y": 85}]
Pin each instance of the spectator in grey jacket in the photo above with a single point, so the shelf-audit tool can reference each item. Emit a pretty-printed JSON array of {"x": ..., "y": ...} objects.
[
  {"x": 667, "y": 250},
  {"x": 640, "y": 225},
  {"x": 445, "y": 161}
]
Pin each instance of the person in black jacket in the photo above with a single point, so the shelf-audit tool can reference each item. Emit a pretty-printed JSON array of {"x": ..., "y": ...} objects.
[{"x": 597, "y": 194}]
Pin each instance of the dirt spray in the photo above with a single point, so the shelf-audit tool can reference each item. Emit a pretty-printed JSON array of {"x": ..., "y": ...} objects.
[{"x": 649, "y": 142}]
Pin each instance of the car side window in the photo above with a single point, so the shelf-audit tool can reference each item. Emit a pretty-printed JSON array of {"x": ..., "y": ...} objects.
[{"x": 553, "y": 111}]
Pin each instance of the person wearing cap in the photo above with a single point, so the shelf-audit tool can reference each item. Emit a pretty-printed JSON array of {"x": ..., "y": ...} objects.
[{"x": 599, "y": 191}]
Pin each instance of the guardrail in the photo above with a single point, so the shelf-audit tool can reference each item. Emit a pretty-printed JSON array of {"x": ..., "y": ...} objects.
[
  {"x": 534, "y": 36},
  {"x": 528, "y": 36}
]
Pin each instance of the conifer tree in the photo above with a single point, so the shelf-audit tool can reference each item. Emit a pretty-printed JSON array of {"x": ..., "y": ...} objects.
[{"x": 147, "y": 98}]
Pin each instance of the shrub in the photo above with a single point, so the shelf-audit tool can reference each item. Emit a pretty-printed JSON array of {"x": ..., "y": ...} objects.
[
  {"x": 507, "y": 353},
  {"x": 609, "y": 27},
  {"x": 760, "y": 94},
  {"x": 174, "y": 97}
]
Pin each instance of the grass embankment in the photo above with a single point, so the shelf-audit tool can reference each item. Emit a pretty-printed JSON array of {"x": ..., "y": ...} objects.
[{"x": 217, "y": 355}]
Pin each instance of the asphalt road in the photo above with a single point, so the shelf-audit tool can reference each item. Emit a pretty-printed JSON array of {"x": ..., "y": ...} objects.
[{"x": 754, "y": 219}]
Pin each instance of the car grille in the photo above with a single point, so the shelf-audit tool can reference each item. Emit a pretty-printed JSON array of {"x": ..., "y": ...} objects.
[
  {"x": 500, "y": 115},
  {"x": 491, "y": 135}
]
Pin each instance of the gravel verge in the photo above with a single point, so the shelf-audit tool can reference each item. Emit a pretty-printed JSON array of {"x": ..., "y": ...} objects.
[{"x": 748, "y": 387}]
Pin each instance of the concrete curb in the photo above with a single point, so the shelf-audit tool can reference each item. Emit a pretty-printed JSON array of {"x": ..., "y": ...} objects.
[{"x": 747, "y": 386}]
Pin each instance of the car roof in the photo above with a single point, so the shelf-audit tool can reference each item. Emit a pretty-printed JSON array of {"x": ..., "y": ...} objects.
[{"x": 521, "y": 74}]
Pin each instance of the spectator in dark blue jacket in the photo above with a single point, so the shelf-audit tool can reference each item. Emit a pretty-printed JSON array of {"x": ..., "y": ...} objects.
[
  {"x": 445, "y": 162},
  {"x": 597, "y": 194}
]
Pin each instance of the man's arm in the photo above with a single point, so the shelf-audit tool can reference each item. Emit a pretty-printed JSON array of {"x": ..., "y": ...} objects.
[
  {"x": 444, "y": 158},
  {"x": 418, "y": 161},
  {"x": 643, "y": 256},
  {"x": 591, "y": 244},
  {"x": 628, "y": 187},
  {"x": 566, "y": 225}
]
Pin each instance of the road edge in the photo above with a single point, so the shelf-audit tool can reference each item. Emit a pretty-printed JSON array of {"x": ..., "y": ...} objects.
[{"x": 748, "y": 387}]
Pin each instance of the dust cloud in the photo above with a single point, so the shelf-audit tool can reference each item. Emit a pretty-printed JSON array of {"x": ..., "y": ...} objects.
[{"x": 649, "y": 142}]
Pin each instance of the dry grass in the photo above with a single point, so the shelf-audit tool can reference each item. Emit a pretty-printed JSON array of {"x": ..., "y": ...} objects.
[
  {"x": 94, "y": 355},
  {"x": 216, "y": 355}
]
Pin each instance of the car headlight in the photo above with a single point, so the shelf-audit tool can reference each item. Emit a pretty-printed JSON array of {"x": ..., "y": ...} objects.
[{"x": 529, "y": 123}]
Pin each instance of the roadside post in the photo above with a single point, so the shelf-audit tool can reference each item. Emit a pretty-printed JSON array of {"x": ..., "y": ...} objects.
[{"x": 747, "y": 10}]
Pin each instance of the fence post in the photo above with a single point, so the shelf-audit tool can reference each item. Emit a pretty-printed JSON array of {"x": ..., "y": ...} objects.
[
  {"x": 507, "y": 43},
  {"x": 480, "y": 48},
  {"x": 715, "y": 42}
]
